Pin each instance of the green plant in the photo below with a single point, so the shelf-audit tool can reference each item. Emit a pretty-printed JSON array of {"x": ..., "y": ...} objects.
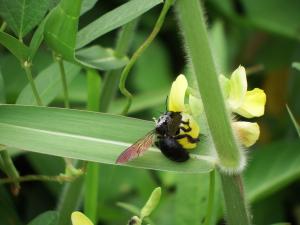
[{"x": 50, "y": 57}]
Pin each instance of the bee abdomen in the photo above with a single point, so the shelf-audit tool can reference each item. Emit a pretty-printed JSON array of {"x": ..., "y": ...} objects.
[{"x": 172, "y": 149}]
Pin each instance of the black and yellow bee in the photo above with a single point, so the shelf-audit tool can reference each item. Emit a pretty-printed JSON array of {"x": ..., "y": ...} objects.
[{"x": 174, "y": 134}]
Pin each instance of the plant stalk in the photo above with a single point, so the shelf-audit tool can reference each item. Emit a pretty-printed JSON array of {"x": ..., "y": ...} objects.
[
  {"x": 235, "y": 204},
  {"x": 93, "y": 169},
  {"x": 231, "y": 158},
  {"x": 11, "y": 171},
  {"x": 71, "y": 195},
  {"x": 64, "y": 81},
  {"x": 28, "y": 178},
  {"x": 211, "y": 198},
  {"x": 191, "y": 19},
  {"x": 139, "y": 51},
  {"x": 27, "y": 68}
]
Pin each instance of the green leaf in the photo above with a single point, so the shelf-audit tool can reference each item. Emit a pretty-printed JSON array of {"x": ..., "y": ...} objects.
[
  {"x": 89, "y": 136},
  {"x": 37, "y": 39},
  {"x": 296, "y": 65},
  {"x": 46, "y": 218},
  {"x": 114, "y": 19},
  {"x": 196, "y": 200},
  {"x": 265, "y": 176},
  {"x": 296, "y": 125},
  {"x": 48, "y": 83},
  {"x": 60, "y": 35},
  {"x": 61, "y": 28},
  {"x": 17, "y": 48},
  {"x": 152, "y": 203},
  {"x": 100, "y": 58},
  {"x": 2, "y": 90},
  {"x": 87, "y": 5},
  {"x": 23, "y": 15}
]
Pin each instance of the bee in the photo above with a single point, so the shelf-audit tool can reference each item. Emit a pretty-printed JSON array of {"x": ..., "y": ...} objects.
[{"x": 174, "y": 134}]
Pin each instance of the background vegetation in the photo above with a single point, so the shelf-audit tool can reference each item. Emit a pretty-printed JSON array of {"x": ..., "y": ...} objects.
[{"x": 261, "y": 35}]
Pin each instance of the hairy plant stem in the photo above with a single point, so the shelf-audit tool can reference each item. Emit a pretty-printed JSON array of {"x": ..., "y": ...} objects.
[
  {"x": 139, "y": 51},
  {"x": 236, "y": 208},
  {"x": 27, "y": 68},
  {"x": 231, "y": 158}
]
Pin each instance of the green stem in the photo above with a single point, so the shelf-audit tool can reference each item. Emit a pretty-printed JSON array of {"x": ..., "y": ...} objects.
[
  {"x": 231, "y": 158},
  {"x": 64, "y": 80},
  {"x": 27, "y": 178},
  {"x": 70, "y": 197},
  {"x": 236, "y": 208},
  {"x": 27, "y": 68},
  {"x": 10, "y": 170},
  {"x": 194, "y": 31},
  {"x": 93, "y": 169},
  {"x": 139, "y": 51},
  {"x": 211, "y": 196}
]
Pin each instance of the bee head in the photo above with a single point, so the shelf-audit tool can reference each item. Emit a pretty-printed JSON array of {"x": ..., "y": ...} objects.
[{"x": 162, "y": 123}]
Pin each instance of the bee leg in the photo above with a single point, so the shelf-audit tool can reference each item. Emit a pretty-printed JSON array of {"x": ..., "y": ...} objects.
[
  {"x": 185, "y": 122},
  {"x": 186, "y": 129},
  {"x": 189, "y": 137}
]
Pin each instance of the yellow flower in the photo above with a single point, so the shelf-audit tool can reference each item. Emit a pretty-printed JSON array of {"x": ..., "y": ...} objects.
[
  {"x": 78, "y": 218},
  {"x": 247, "y": 132},
  {"x": 177, "y": 94},
  {"x": 176, "y": 103},
  {"x": 248, "y": 104}
]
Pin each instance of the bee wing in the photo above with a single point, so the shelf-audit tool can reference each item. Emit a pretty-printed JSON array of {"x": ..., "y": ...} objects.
[{"x": 137, "y": 148}]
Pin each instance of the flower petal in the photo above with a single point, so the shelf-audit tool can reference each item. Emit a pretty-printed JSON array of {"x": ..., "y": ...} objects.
[
  {"x": 238, "y": 88},
  {"x": 254, "y": 104},
  {"x": 225, "y": 85},
  {"x": 78, "y": 218},
  {"x": 247, "y": 132},
  {"x": 194, "y": 133},
  {"x": 177, "y": 94},
  {"x": 196, "y": 105}
]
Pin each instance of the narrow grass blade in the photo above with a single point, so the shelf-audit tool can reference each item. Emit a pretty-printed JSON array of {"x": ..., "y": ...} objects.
[
  {"x": 114, "y": 19},
  {"x": 296, "y": 125},
  {"x": 89, "y": 136}
]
